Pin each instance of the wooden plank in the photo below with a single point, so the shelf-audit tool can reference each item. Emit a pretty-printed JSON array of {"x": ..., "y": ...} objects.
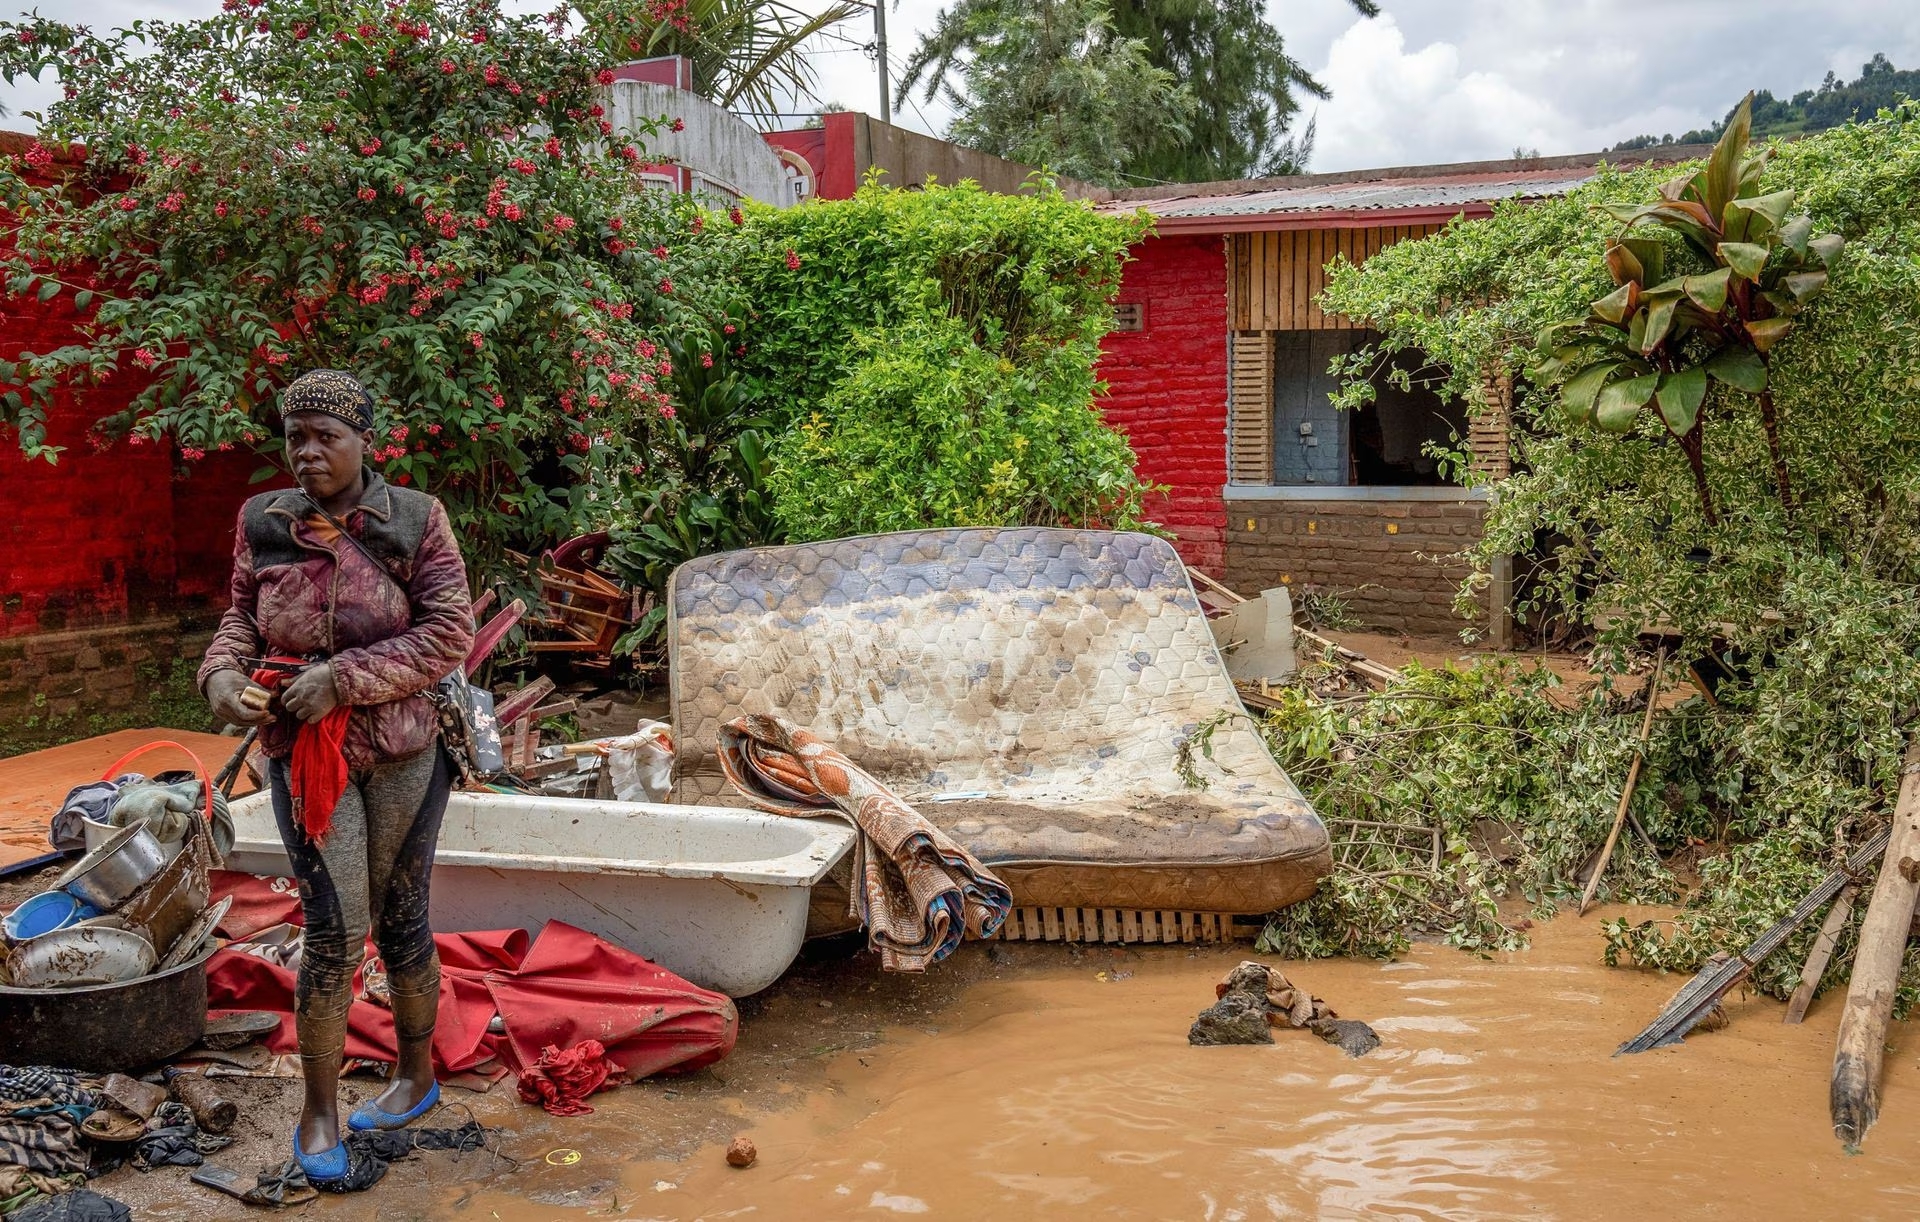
[
  {"x": 1822, "y": 951},
  {"x": 1070, "y": 924},
  {"x": 1110, "y": 925},
  {"x": 1860, "y": 1048},
  {"x": 1051, "y": 917},
  {"x": 1129, "y": 925},
  {"x": 1317, "y": 244},
  {"x": 1281, "y": 272},
  {"x": 1239, "y": 258}
]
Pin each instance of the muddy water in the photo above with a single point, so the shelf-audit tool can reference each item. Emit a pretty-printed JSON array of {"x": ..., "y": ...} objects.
[{"x": 1059, "y": 1092}]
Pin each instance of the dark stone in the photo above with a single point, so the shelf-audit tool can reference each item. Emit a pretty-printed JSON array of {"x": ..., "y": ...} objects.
[{"x": 1237, "y": 1018}]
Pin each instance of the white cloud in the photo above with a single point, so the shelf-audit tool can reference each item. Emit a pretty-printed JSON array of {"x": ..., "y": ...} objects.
[{"x": 1393, "y": 106}]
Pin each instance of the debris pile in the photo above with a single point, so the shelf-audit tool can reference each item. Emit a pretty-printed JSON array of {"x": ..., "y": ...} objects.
[{"x": 1254, "y": 998}]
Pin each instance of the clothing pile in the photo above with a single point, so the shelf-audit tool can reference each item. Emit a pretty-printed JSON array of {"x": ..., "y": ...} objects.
[{"x": 60, "y": 1128}]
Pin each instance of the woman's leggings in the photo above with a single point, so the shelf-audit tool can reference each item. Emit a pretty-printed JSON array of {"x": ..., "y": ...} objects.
[{"x": 373, "y": 873}]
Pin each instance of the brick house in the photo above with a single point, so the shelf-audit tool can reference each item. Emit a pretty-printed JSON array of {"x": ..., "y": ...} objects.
[{"x": 1217, "y": 372}]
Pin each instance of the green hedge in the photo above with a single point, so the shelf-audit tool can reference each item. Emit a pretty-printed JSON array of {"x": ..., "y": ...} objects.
[{"x": 927, "y": 358}]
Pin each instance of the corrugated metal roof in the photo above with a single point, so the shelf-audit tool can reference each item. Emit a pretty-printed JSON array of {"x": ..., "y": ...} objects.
[{"x": 1366, "y": 195}]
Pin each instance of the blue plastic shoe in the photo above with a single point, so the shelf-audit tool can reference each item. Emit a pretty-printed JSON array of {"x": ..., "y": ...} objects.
[
  {"x": 369, "y": 1116},
  {"x": 323, "y": 1167}
]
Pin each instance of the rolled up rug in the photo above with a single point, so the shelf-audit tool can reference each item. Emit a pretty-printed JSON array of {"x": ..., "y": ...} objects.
[{"x": 916, "y": 891}]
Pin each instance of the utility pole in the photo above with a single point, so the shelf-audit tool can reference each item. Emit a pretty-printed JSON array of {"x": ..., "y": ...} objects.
[{"x": 880, "y": 57}]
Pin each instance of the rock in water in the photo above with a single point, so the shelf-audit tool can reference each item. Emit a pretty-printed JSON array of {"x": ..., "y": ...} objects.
[
  {"x": 1237, "y": 1018},
  {"x": 1351, "y": 1036},
  {"x": 741, "y": 1153}
]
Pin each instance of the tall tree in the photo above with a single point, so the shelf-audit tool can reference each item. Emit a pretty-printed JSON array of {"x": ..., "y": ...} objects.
[
  {"x": 1238, "y": 86},
  {"x": 1050, "y": 82},
  {"x": 1245, "y": 87}
]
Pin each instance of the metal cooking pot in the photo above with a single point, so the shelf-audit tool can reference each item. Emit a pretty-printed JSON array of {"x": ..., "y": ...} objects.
[
  {"x": 107, "y": 1028},
  {"x": 120, "y": 866},
  {"x": 83, "y": 955}
]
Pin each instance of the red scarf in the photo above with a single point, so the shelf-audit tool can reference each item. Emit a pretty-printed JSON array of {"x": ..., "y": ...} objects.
[{"x": 319, "y": 766}]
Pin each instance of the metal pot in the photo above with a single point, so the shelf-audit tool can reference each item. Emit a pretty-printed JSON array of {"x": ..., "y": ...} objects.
[
  {"x": 107, "y": 1028},
  {"x": 84, "y": 955},
  {"x": 120, "y": 866}
]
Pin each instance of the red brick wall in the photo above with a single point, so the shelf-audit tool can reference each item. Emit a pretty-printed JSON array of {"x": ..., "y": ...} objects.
[
  {"x": 1168, "y": 387},
  {"x": 103, "y": 538}
]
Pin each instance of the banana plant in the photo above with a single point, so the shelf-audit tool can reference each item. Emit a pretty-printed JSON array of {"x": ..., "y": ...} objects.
[{"x": 1708, "y": 279}]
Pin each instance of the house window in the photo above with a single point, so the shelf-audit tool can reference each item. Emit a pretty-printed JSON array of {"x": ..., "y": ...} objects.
[{"x": 1383, "y": 443}]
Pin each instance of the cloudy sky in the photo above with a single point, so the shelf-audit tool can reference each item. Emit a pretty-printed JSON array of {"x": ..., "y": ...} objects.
[{"x": 1437, "y": 80}]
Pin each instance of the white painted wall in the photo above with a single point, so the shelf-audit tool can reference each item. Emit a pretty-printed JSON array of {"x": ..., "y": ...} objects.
[{"x": 728, "y": 158}]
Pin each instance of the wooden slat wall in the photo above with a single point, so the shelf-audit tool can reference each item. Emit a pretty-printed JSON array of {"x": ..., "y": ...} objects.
[
  {"x": 1488, "y": 424},
  {"x": 1250, "y": 409},
  {"x": 1277, "y": 277}
]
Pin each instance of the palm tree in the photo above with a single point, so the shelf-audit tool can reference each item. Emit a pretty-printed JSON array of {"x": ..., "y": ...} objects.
[{"x": 746, "y": 54}]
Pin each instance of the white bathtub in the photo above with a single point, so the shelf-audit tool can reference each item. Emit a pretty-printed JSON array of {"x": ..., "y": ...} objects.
[{"x": 716, "y": 895}]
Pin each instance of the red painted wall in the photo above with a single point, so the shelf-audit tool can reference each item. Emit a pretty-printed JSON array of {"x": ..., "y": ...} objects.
[
  {"x": 104, "y": 536},
  {"x": 1168, "y": 388}
]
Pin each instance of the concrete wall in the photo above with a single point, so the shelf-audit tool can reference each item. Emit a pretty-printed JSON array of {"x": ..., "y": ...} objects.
[
  {"x": 712, "y": 143},
  {"x": 1168, "y": 387},
  {"x": 1385, "y": 553},
  {"x": 849, "y": 144}
]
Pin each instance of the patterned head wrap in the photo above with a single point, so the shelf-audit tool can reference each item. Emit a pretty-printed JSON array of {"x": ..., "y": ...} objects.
[{"x": 330, "y": 391}]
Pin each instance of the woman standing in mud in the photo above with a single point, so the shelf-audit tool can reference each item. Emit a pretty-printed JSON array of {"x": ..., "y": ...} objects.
[{"x": 355, "y": 593}]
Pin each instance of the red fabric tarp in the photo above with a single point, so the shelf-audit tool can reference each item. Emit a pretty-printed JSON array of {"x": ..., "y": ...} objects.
[{"x": 559, "y": 988}]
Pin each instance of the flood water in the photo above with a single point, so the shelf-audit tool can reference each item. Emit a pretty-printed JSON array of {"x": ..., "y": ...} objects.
[{"x": 1067, "y": 1090}]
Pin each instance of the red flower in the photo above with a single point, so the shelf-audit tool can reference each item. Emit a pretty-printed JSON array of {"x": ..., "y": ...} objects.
[
  {"x": 679, "y": 124},
  {"x": 604, "y": 76},
  {"x": 666, "y": 286},
  {"x": 301, "y": 30},
  {"x": 38, "y": 156},
  {"x": 706, "y": 360},
  {"x": 616, "y": 247},
  {"x": 728, "y": 329},
  {"x": 492, "y": 74},
  {"x": 128, "y": 203},
  {"x": 220, "y": 209},
  {"x": 370, "y": 147},
  {"x": 552, "y": 146},
  {"x": 511, "y": 211},
  {"x": 476, "y": 341},
  {"x": 368, "y": 194},
  {"x": 173, "y": 201},
  {"x": 734, "y": 215},
  {"x": 562, "y": 222},
  {"x": 666, "y": 411},
  {"x": 144, "y": 358},
  {"x": 447, "y": 67},
  {"x": 365, "y": 31},
  {"x": 793, "y": 262}
]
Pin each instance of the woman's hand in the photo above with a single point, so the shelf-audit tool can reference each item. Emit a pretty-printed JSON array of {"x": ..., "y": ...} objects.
[
  {"x": 312, "y": 694},
  {"x": 223, "y": 696}
]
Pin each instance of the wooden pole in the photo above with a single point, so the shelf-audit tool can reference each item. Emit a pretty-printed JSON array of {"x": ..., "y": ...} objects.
[
  {"x": 1860, "y": 1048},
  {"x": 1822, "y": 951},
  {"x": 1633, "y": 779}
]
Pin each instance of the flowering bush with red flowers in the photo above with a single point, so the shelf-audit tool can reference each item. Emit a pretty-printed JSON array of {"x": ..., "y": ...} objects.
[{"x": 419, "y": 192}]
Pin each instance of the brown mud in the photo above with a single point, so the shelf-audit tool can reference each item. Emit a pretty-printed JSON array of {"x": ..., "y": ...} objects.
[{"x": 1041, "y": 1081}]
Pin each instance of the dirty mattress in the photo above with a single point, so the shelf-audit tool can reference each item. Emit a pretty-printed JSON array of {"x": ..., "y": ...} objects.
[{"x": 1029, "y": 690}]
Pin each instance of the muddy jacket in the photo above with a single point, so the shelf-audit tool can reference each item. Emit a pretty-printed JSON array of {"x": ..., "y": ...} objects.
[{"x": 294, "y": 592}]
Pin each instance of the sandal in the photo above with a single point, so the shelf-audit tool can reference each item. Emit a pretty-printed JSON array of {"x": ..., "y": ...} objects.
[{"x": 369, "y": 1115}]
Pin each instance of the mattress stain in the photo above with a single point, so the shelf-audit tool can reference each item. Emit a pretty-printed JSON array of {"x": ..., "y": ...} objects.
[{"x": 1067, "y": 1089}]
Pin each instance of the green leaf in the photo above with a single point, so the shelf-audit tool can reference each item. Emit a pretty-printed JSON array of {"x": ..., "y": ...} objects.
[
  {"x": 1620, "y": 402},
  {"x": 1615, "y": 306},
  {"x": 1826, "y": 248},
  {"x": 1709, "y": 290},
  {"x": 1794, "y": 234},
  {"x": 1579, "y": 392},
  {"x": 1740, "y": 368},
  {"x": 1659, "y": 320},
  {"x": 1722, "y": 175},
  {"x": 1680, "y": 395},
  {"x": 1771, "y": 209},
  {"x": 1747, "y": 259},
  {"x": 49, "y": 289},
  {"x": 1805, "y": 284},
  {"x": 1767, "y": 332}
]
